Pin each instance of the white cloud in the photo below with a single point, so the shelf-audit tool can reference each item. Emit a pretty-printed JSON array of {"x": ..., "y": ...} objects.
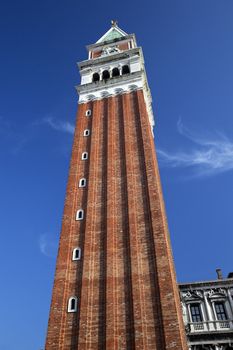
[
  {"x": 209, "y": 155},
  {"x": 59, "y": 125},
  {"x": 47, "y": 245}
]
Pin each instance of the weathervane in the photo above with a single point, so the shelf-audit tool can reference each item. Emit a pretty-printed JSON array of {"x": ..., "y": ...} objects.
[{"x": 114, "y": 23}]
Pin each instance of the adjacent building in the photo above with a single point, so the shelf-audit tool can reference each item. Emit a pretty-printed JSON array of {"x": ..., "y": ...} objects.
[{"x": 208, "y": 313}]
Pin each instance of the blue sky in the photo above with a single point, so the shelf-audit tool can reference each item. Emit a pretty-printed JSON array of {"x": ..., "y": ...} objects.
[{"x": 188, "y": 49}]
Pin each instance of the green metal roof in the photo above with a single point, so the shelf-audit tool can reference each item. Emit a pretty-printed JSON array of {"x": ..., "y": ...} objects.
[{"x": 114, "y": 34}]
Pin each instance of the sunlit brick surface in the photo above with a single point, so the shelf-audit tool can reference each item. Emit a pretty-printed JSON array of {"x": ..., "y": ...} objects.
[{"x": 125, "y": 281}]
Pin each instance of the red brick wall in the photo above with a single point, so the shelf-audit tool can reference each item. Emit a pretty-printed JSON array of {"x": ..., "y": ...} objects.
[
  {"x": 125, "y": 281},
  {"x": 124, "y": 46}
]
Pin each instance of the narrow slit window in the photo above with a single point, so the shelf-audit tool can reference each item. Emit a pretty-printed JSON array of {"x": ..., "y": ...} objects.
[
  {"x": 86, "y": 132},
  {"x": 72, "y": 304},
  {"x": 82, "y": 182},
  {"x": 76, "y": 254},
  {"x": 84, "y": 156},
  {"x": 80, "y": 215},
  {"x": 88, "y": 113}
]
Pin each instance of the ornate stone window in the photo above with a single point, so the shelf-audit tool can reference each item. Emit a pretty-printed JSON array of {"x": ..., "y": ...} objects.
[
  {"x": 220, "y": 311},
  {"x": 195, "y": 311}
]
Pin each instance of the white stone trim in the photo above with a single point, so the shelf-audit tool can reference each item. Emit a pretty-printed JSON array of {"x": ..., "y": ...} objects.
[
  {"x": 84, "y": 155},
  {"x": 77, "y": 249},
  {"x": 70, "y": 309},
  {"x": 86, "y": 132},
  {"x": 88, "y": 113},
  {"x": 78, "y": 216},
  {"x": 85, "y": 97},
  {"x": 83, "y": 180}
]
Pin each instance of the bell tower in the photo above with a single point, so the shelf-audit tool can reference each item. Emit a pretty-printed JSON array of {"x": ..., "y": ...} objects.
[{"x": 115, "y": 285}]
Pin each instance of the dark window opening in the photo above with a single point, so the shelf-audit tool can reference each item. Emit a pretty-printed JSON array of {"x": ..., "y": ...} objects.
[
  {"x": 196, "y": 313},
  {"x": 77, "y": 254},
  {"x": 84, "y": 155},
  {"x": 88, "y": 113},
  {"x": 105, "y": 75},
  {"x": 96, "y": 77},
  {"x": 115, "y": 72},
  {"x": 125, "y": 70},
  {"x": 86, "y": 132},
  {"x": 73, "y": 304},
  {"x": 220, "y": 311}
]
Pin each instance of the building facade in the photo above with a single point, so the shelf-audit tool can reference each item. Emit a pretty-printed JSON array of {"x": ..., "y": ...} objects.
[
  {"x": 115, "y": 285},
  {"x": 208, "y": 313}
]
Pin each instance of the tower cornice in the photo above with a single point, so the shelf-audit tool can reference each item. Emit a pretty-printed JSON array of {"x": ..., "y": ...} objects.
[{"x": 110, "y": 58}]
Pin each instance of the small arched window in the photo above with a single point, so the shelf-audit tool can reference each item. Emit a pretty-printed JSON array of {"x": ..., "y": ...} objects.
[
  {"x": 82, "y": 182},
  {"x": 84, "y": 156},
  {"x": 79, "y": 215},
  {"x": 105, "y": 75},
  {"x": 86, "y": 132},
  {"x": 72, "y": 304},
  {"x": 88, "y": 113},
  {"x": 96, "y": 77},
  {"x": 76, "y": 254},
  {"x": 115, "y": 72},
  {"x": 125, "y": 69}
]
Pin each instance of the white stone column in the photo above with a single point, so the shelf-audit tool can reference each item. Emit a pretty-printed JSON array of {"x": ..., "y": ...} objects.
[
  {"x": 209, "y": 313},
  {"x": 230, "y": 301}
]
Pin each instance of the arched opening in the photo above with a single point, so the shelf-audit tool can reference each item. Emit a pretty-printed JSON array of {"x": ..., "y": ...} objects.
[
  {"x": 86, "y": 132},
  {"x": 72, "y": 304},
  {"x": 88, "y": 113},
  {"x": 125, "y": 69},
  {"x": 96, "y": 77},
  {"x": 79, "y": 215},
  {"x": 84, "y": 155},
  {"x": 82, "y": 182},
  {"x": 76, "y": 254},
  {"x": 115, "y": 72},
  {"x": 105, "y": 75}
]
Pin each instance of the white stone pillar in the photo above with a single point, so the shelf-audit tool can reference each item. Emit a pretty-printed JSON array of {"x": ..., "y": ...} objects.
[
  {"x": 230, "y": 301},
  {"x": 209, "y": 311}
]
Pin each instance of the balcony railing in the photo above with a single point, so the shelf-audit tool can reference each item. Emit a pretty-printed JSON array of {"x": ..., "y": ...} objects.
[{"x": 209, "y": 326}]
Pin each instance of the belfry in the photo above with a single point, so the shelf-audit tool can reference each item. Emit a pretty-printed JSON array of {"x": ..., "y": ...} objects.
[{"x": 115, "y": 285}]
